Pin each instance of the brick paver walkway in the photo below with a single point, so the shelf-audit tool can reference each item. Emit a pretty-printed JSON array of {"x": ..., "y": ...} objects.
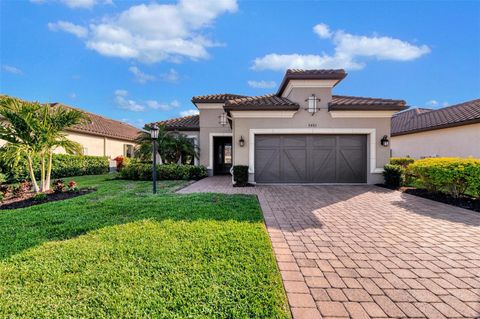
[{"x": 364, "y": 251}]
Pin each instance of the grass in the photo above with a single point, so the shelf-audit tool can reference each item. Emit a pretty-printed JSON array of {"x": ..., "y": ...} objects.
[{"x": 123, "y": 253}]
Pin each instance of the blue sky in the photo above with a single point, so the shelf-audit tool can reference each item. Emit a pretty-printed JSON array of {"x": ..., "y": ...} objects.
[{"x": 142, "y": 61}]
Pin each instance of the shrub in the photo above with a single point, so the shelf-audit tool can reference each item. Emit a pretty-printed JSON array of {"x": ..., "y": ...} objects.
[
  {"x": 402, "y": 161},
  {"x": 40, "y": 197},
  {"x": 72, "y": 186},
  {"x": 121, "y": 162},
  {"x": 58, "y": 185},
  {"x": 22, "y": 188},
  {"x": 3, "y": 178},
  {"x": 454, "y": 176},
  {"x": 5, "y": 190},
  {"x": 63, "y": 166},
  {"x": 143, "y": 171},
  {"x": 240, "y": 175},
  {"x": 394, "y": 175}
]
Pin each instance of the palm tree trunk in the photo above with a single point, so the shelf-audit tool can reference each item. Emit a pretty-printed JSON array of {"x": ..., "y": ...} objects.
[
  {"x": 32, "y": 174},
  {"x": 42, "y": 173},
  {"x": 49, "y": 170}
]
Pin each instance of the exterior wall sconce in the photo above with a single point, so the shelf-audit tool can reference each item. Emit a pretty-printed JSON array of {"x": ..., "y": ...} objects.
[
  {"x": 312, "y": 104},
  {"x": 222, "y": 119},
  {"x": 384, "y": 141},
  {"x": 241, "y": 142}
]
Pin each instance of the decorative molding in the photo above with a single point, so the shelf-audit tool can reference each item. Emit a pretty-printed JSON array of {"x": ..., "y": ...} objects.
[
  {"x": 209, "y": 106},
  {"x": 308, "y": 84},
  {"x": 262, "y": 114},
  {"x": 362, "y": 114},
  {"x": 371, "y": 132},
  {"x": 210, "y": 153}
]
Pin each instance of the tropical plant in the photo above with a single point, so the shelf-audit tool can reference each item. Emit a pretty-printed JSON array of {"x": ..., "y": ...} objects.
[
  {"x": 33, "y": 129},
  {"x": 172, "y": 147}
]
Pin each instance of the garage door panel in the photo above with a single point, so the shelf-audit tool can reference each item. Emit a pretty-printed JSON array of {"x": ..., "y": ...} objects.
[
  {"x": 294, "y": 165},
  {"x": 268, "y": 162},
  {"x": 310, "y": 158},
  {"x": 296, "y": 141},
  {"x": 266, "y": 141},
  {"x": 322, "y": 166},
  {"x": 350, "y": 166}
]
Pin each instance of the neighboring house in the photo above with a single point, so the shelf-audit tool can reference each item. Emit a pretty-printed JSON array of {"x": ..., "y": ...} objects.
[
  {"x": 301, "y": 134},
  {"x": 452, "y": 131},
  {"x": 101, "y": 136}
]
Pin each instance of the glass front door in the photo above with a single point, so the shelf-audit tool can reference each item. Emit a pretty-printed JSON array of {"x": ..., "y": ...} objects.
[{"x": 223, "y": 155}]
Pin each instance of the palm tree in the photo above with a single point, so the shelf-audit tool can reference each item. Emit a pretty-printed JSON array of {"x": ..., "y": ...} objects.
[
  {"x": 33, "y": 129},
  {"x": 55, "y": 121},
  {"x": 18, "y": 128},
  {"x": 172, "y": 146}
]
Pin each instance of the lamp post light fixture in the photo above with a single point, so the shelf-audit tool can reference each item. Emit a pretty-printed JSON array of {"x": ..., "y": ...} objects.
[
  {"x": 241, "y": 142},
  {"x": 384, "y": 141},
  {"x": 154, "y": 135}
]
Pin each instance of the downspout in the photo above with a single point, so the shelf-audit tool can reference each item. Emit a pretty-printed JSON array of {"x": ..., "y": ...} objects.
[{"x": 105, "y": 146}]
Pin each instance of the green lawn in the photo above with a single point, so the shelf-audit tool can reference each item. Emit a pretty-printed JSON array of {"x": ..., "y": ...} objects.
[{"x": 123, "y": 253}]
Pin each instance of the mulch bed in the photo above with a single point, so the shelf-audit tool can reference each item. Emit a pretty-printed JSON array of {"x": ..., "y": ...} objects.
[
  {"x": 463, "y": 202},
  {"x": 28, "y": 200}
]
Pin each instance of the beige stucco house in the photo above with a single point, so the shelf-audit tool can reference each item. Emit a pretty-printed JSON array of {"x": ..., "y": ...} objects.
[
  {"x": 101, "y": 136},
  {"x": 303, "y": 133},
  {"x": 452, "y": 131}
]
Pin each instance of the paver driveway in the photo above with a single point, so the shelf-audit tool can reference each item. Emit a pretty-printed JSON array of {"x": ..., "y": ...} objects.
[{"x": 364, "y": 251}]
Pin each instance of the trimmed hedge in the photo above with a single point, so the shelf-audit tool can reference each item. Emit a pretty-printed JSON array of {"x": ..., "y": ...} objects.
[
  {"x": 143, "y": 171},
  {"x": 394, "y": 175},
  {"x": 454, "y": 176},
  {"x": 402, "y": 161},
  {"x": 63, "y": 165},
  {"x": 240, "y": 175}
]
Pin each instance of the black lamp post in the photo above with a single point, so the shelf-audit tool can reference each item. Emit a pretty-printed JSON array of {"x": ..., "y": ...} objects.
[{"x": 154, "y": 136}]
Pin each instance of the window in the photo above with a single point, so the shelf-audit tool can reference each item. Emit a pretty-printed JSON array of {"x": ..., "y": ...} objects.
[{"x": 128, "y": 150}]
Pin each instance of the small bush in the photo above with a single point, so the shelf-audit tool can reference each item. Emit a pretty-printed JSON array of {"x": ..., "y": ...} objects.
[
  {"x": 40, "y": 197},
  {"x": 72, "y": 186},
  {"x": 394, "y": 175},
  {"x": 58, "y": 185},
  {"x": 5, "y": 190},
  {"x": 240, "y": 175},
  {"x": 454, "y": 176},
  {"x": 3, "y": 178},
  {"x": 121, "y": 162},
  {"x": 22, "y": 188},
  {"x": 143, "y": 171},
  {"x": 402, "y": 161}
]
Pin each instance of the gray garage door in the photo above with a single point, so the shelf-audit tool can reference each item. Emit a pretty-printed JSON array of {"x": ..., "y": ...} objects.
[{"x": 310, "y": 158}]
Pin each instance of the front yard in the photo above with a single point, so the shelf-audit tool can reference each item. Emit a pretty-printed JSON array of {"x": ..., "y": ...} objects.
[{"x": 121, "y": 252}]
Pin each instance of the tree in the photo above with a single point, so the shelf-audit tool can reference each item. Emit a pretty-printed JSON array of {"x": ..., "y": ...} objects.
[
  {"x": 172, "y": 146},
  {"x": 34, "y": 130}
]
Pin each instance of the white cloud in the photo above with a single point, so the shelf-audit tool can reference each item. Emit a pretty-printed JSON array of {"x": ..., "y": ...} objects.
[
  {"x": 280, "y": 62},
  {"x": 124, "y": 103},
  {"x": 322, "y": 30},
  {"x": 163, "y": 106},
  {"x": 170, "y": 76},
  {"x": 435, "y": 103},
  {"x": 11, "y": 69},
  {"x": 262, "y": 84},
  {"x": 68, "y": 27},
  {"x": 157, "y": 32},
  {"x": 77, "y": 4},
  {"x": 140, "y": 77},
  {"x": 72, "y": 96},
  {"x": 349, "y": 51},
  {"x": 189, "y": 112}
]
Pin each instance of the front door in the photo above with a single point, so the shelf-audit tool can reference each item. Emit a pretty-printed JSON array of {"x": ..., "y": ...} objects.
[{"x": 222, "y": 151}]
